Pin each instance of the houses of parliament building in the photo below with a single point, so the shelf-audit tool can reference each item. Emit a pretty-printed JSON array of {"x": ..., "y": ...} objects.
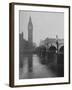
[{"x": 26, "y": 46}]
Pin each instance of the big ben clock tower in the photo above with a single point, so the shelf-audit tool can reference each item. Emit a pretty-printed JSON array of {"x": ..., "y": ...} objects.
[{"x": 30, "y": 31}]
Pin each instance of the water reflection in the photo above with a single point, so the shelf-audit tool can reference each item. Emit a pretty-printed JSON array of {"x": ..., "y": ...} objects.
[
  {"x": 30, "y": 63},
  {"x": 21, "y": 61},
  {"x": 36, "y": 66}
]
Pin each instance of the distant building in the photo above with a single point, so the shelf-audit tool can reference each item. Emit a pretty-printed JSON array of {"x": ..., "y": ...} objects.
[
  {"x": 51, "y": 42},
  {"x": 27, "y": 45},
  {"x": 23, "y": 44}
]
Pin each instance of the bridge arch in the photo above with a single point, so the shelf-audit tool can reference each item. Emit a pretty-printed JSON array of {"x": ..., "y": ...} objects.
[
  {"x": 52, "y": 48},
  {"x": 61, "y": 49},
  {"x": 60, "y": 45}
]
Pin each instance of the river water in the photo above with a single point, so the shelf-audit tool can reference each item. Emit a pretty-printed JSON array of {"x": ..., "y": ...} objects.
[{"x": 32, "y": 66}]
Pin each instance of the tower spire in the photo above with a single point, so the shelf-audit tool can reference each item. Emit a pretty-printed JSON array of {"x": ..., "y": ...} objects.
[
  {"x": 30, "y": 20},
  {"x": 30, "y": 30}
]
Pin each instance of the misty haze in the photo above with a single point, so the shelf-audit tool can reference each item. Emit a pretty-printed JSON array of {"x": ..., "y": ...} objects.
[{"x": 41, "y": 44}]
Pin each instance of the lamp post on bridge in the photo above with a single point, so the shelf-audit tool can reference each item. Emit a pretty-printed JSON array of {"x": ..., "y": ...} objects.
[
  {"x": 57, "y": 48},
  {"x": 57, "y": 43}
]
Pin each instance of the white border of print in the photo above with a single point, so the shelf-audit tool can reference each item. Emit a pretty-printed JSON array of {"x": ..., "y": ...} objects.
[{"x": 16, "y": 48}]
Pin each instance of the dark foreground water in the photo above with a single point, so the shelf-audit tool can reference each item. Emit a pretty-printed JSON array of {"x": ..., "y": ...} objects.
[{"x": 34, "y": 66}]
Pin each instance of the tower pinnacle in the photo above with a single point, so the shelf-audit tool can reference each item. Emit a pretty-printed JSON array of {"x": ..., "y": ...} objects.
[{"x": 30, "y": 30}]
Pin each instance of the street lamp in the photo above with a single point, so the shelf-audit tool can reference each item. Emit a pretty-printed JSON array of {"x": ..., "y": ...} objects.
[
  {"x": 56, "y": 50},
  {"x": 57, "y": 43}
]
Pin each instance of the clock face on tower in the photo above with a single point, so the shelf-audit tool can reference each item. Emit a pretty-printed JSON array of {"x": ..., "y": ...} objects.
[{"x": 30, "y": 27}]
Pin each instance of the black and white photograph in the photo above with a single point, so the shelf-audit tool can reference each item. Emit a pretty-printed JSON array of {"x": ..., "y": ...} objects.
[{"x": 40, "y": 42}]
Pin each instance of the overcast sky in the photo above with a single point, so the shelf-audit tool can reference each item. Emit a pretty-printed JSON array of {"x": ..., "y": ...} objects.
[{"x": 45, "y": 24}]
